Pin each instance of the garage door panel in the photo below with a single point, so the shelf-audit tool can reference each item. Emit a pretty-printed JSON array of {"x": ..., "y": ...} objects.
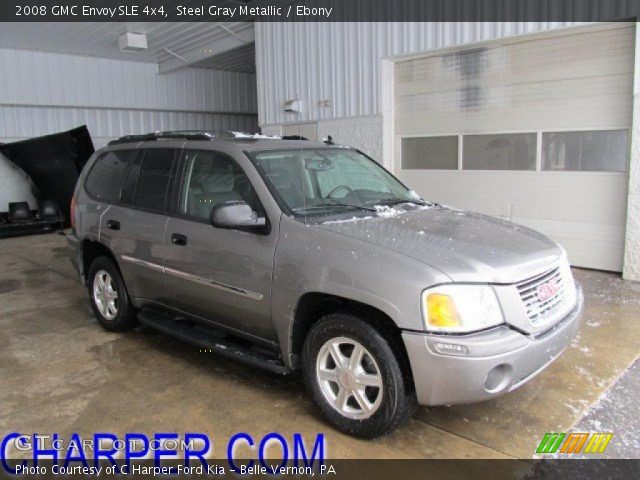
[
  {"x": 528, "y": 74},
  {"x": 524, "y": 61},
  {"x": 519, "y": 60},
  {"x": 604, "y": 246},
  {"x": 546, "y": 196},
  {"x": 507, "y": 119},
  {"x": 598, "y": 101},
  {"x": 611, "y": 40}
]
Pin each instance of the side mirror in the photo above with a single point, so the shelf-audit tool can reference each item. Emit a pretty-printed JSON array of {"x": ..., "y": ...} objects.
[{"x": 236, "y": 215}]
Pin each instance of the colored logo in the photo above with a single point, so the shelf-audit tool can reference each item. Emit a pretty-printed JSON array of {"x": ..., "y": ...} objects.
[
  {"x": 547, "y": 290},
  {"x": 595, "y": 442}
]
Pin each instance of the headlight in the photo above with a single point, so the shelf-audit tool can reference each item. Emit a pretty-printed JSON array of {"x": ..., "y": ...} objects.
[{"x": 460, "y": 308}]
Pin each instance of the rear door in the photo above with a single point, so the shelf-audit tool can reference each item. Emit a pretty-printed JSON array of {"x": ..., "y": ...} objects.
[
  {"x": 102, "y": 187},
  {"x": 221, "y": 275},
  {"x": 138, "y": 223}
]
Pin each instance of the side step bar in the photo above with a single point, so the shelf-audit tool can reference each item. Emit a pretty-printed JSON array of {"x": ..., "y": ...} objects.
[{"x": 220, "y": 343}]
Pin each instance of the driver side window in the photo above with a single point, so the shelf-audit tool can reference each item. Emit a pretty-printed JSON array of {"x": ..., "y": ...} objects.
[{"x": 210, "y": 178}]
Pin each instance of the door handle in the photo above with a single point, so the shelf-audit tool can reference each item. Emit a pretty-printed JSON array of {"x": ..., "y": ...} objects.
[
  {"x": 113, "y": 225},
  {"x": 178, "y": 239}
]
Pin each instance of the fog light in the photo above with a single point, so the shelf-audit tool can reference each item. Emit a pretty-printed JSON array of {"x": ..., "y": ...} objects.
[
  {"x": 451, "y": 349},
  {"x": 497, "y": 378}
]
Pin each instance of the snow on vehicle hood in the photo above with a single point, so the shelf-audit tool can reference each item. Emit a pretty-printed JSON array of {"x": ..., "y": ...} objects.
[{"x": 466, "y": 246}]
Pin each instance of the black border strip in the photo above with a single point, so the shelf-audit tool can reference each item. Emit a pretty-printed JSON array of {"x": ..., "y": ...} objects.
[{"x": 320, "y": 10}]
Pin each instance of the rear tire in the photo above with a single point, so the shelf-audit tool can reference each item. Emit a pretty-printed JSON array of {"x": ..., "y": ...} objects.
[
  {"x": 366, "y": 392},
  {"x": 109, "y": 298}
]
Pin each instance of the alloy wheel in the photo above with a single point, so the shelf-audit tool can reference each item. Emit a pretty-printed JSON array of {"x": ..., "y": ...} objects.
[
  {"x": 105, "y": 295},
  {"x": 349, "y": 378}
]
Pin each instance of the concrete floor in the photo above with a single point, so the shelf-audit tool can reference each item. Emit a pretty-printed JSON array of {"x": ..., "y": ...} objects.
[
  {"x": 616, "y": 411},
  {"x": 60, "y": 372}
]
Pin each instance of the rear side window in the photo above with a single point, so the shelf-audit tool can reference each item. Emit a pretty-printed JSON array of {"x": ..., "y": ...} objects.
[
  {"x": 105, "y": 177},
  {"x": 154, "y": 179}
]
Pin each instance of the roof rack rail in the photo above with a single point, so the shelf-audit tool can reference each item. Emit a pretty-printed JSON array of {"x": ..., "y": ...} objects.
[{"x": 177, "y": 134}]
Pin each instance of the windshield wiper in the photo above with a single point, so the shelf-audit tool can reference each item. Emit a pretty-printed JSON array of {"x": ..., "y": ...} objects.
[
  {"x": 350, "y": 205},
  {"x": 336, "y": 204},
  {"x": 396, "y": 201}
]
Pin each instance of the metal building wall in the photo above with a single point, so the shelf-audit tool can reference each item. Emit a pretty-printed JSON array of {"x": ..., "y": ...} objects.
[
  {"x": 43, "y": 93},
  {"x": 341, "y": 61}
]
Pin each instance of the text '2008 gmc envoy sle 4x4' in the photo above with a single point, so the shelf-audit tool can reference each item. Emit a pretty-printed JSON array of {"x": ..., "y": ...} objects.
[{"x": 296, "y": 255}]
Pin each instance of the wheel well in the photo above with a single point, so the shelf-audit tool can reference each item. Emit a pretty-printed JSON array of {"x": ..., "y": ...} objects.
[
  {"x": 313, "y": 306},
  {"x": 90, "y": 251}
]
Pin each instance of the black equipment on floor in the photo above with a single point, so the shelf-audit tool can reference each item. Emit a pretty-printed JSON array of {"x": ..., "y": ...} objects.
[{"x": 20, "y": 220}]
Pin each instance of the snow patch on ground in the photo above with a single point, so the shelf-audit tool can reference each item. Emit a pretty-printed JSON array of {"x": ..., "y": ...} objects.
[
  {"x": 583, "y": 372},
  {"x": 580, "y": 409},
  {"x": 596, "y": 424},
  {"x": 585, "y": 350},
  {"x": 575, "y": 342},
  {"x": 614, "y": 412}
]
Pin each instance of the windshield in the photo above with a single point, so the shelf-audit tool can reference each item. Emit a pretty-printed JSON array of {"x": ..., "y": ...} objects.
[{"x": 323, "y": 181}]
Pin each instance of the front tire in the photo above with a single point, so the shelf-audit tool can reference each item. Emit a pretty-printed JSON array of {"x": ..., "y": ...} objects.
[
  {"x": 355, "y": 378},
  {"x": 109, "y": 298}
]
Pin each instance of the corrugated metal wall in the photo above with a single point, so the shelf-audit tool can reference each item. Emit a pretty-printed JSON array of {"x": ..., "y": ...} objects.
[
  {"x": 20, "y": 122},
  {"x": 43, "y": 93},
  {"x": 340, "y": 62}
]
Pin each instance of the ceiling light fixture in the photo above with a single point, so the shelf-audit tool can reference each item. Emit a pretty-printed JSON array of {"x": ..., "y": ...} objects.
[{"x": 132, "y": 42}]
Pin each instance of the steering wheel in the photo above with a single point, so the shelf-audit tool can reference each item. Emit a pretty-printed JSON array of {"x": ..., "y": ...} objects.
[{"x": 339, "y": 187}]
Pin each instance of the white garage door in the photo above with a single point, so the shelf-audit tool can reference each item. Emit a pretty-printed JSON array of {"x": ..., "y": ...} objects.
[{"x": 530, "y": 129}]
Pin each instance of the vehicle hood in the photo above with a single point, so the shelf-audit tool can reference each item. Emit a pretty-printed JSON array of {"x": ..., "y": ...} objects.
[{"x": 466, "y": 246}]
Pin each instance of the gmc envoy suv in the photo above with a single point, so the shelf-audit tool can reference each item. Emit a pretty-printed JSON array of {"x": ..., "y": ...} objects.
[{"x": 296, "y": 255}]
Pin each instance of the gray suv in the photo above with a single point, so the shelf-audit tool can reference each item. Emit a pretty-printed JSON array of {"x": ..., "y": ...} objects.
[{"x": 296, "y": 255}]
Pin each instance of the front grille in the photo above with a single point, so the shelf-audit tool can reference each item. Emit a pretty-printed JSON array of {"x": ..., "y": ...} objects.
[{"x": 542, "y": 295}]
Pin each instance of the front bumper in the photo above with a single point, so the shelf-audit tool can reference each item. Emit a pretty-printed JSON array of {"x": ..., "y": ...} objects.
[{"x": 494, "y": 362}]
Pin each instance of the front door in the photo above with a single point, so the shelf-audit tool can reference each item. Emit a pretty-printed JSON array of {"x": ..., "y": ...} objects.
[{"x": 220, "y": 275}]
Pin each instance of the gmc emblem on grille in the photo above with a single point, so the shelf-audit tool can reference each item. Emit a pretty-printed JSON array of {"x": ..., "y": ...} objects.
[{"x": 547, "y": 290}]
